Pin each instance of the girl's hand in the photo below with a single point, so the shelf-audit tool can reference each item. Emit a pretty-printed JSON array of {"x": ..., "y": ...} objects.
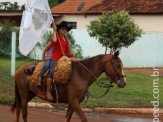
[
  {"x": 71, "y": 55},
  {"x": 54, "y": 26}
]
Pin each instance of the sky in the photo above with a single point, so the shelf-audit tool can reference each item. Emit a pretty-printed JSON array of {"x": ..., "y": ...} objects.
[{"x": 20, "y": 2}]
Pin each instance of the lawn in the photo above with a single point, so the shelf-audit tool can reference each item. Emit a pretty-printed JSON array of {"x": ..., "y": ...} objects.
[{"x": 137, "y": 93}]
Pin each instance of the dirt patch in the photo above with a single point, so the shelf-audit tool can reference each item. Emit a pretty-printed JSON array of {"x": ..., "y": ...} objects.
[{"x": 147, "y": 71}]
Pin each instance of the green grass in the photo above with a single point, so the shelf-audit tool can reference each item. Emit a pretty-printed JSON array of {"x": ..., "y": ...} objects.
[
  {"x": 137, "y": 93},
  {"x": 6, "y": 81}
]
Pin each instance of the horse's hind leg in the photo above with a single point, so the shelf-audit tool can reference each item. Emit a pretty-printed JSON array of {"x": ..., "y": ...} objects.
[
  {"x": 25, "y": 105},
  {"x": 24, "y": 109},
  {"x": 69, "y": 114},
  {"x": 17, "y": 115}
]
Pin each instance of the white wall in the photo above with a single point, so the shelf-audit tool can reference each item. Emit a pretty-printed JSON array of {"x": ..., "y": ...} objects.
[
  {"x": 145, "y": 52},
  {"x": 82, "y": 20},
  {"x": 152, "y": 23}
]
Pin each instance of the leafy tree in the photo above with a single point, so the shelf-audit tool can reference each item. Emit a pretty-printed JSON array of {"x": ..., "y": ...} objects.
[
  {"x": 22, "y": 7},
  {"x": 75, "y": 48},
  {"x": 53, "y": 3},
  {"x": 10, "y": 6},
  {"x": 45, "y": 39},
  {"x": 4, "y": 5},
  {"x": 6, "y": 36},
  {"x": 14, "y": 6},
  {"x": 115, "y": 30},
  {"x": 60, "y": 1}
]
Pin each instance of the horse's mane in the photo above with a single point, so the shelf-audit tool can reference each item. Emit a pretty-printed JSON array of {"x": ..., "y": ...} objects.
[{"x": 88, "y": 63}]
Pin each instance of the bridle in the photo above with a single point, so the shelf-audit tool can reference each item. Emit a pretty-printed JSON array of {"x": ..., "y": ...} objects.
[
  {"x": 102, "y": 84},
  {"x": 116, "y": 74}
]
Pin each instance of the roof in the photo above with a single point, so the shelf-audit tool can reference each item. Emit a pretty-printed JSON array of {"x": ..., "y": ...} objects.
[
  {"x": 10, "y": 13},
  {"x": 100, "y": 6}
]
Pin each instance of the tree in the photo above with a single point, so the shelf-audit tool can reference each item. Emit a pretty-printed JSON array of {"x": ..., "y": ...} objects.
[
  {"x": 53, "y": 3},
  {"x": 115, "y": 30},
  {"x": 22, "y": 7},
  {"x": 5, "y": 38},
  {"x": 4, "y": 5},
  {"x": 14, "y": 6},
  {"x": 45, "y": 39},
  {"x": 74, "y": 48},
  {"x": 11, "y": 6}
]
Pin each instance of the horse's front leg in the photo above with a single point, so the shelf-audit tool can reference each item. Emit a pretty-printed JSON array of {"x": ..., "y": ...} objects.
[
  {"x": 69, "y": 113},
  {"x": 76, "y": 106}
]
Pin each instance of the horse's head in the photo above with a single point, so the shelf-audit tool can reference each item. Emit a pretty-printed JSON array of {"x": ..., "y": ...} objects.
[{"x": 114, "y": 70}]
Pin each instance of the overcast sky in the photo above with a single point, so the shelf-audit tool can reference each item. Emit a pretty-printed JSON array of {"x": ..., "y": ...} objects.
[{"x": 20, "y": 2}]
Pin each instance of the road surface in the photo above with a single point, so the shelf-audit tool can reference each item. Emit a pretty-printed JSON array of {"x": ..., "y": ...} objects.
[{"x": 41, "y": 115}]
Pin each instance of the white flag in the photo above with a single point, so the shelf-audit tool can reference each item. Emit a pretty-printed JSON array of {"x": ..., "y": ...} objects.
[{"x": 36, "y": 20}]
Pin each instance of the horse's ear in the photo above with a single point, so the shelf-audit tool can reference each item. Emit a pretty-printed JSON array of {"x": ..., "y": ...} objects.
[{"x": 116, "y": 54}]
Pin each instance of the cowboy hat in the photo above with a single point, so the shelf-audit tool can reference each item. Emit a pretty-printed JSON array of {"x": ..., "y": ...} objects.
[{"x": 64, "y": 24}]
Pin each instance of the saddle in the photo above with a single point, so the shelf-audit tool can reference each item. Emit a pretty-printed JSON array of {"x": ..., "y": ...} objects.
[{"x": 61, "y": 73}]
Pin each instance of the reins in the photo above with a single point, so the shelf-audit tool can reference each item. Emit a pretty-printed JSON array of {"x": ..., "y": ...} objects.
[
  {"x": 60, "y": 44},
  {"x": 100, "y": 83}
]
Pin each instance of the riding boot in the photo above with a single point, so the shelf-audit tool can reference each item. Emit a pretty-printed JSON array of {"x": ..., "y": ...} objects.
[
  {"x": 48, "y": 92},
  {"x": 39, "y": 81}
]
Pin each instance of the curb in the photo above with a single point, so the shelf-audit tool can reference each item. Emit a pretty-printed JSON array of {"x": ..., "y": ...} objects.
[
  {"x": 103, "y": 110},
  {"x": 39, "y": 105},
  {"x": 127, "y": 110}
]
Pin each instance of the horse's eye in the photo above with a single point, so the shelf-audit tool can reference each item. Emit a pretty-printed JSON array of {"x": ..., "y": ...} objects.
[
  {"x": 118, "y": 61},
  {"x": 118, "y": 66}
]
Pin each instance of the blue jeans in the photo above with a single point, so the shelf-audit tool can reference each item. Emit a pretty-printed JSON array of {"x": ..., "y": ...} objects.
[{"x": 48, "y": 64}]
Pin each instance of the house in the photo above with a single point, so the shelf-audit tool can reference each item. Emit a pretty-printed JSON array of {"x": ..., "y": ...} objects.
[
  {"x": 11, "y": 15},
  {"x": 148, "y": 14}
]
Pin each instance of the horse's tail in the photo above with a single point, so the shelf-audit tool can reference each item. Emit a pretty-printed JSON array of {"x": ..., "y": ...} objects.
[{"x": 17, "y": 101}]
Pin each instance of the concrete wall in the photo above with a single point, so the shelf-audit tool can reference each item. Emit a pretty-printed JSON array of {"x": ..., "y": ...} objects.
[{"x": 147, "y": 51}]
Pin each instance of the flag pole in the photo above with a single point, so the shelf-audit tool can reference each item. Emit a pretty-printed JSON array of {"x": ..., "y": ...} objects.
[{"x": 60, "y": 44}]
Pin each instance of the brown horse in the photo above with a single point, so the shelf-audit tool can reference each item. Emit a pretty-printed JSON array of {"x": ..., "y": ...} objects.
[{"x": 76, "y": 88}]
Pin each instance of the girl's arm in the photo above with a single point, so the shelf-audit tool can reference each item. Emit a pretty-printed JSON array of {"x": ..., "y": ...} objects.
[
  {"x": 69, "y": 54},
  {"x": 46, "y": 49},
  {"x": 54, "y": 36}
]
